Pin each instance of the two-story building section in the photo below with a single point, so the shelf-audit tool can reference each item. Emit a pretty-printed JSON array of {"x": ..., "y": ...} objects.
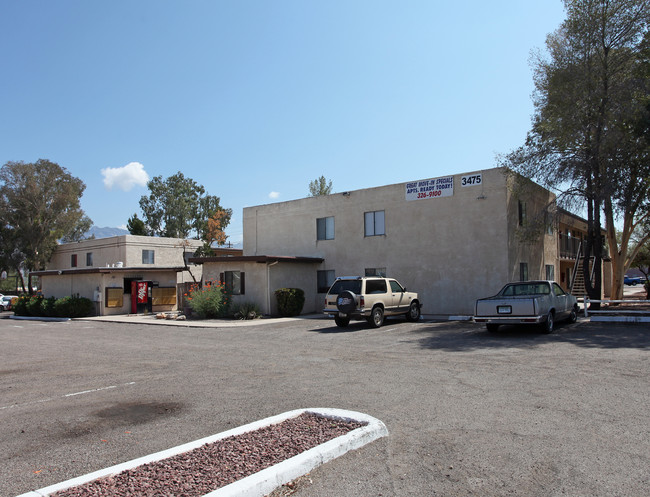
[{"x": 452, "y": 239}]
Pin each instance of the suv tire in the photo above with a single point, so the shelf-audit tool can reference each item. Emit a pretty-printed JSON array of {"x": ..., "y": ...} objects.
[
  {"x": 376, "y": 318},
  {"x": 341, "y": 322},
  {"x": 414, "y": 312}
]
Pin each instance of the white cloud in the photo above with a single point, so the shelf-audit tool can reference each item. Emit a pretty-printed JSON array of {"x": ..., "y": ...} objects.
[
  {"x": 125, "y": 178},
  {"x": 274, "y": 194}
]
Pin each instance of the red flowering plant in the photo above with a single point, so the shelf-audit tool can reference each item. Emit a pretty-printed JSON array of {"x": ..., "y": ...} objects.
[{"x": 208, "y": 301}]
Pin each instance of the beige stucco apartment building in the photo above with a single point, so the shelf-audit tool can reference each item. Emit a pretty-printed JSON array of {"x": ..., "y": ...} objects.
[
  {"x": 111, "y": 270},
  {"x": 453, "y": 239}
]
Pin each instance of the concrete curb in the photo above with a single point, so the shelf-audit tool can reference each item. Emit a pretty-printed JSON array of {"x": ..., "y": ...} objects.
[
  {"x": 38, "y": 318},
  {"x": 619, "y": 319},
  {"x": 265, "y": 481}
]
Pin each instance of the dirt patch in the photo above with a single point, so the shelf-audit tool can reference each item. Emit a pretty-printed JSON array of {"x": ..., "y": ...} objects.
[{"x": 137, "y": 413}]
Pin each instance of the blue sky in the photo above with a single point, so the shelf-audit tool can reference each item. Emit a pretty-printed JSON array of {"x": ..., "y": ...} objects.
[{"x": 254, "y": 99}]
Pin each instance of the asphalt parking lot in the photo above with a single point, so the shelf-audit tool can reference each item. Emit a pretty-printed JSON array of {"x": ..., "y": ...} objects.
[{"x": 469, "y": 412}]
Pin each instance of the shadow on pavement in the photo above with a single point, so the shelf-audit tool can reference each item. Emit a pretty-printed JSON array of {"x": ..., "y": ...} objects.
[{"x": 463, "y": 336}]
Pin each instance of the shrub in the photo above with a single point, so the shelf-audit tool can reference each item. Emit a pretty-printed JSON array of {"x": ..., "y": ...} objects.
[
  {"x": 20, "y": 307},
  {"x": 33, "y": 306},
  {"x": 246, "y": 310},
  {"x": 290, "y": 301},
  {"x": 210, "y": 301},
  {"x": 73, "y": 307}
]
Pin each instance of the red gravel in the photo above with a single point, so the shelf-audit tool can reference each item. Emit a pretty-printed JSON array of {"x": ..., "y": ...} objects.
[{"x": 217, "y": 464}]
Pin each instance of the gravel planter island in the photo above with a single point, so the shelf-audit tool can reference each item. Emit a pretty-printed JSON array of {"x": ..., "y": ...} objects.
[{"x": 250, "y": 460}]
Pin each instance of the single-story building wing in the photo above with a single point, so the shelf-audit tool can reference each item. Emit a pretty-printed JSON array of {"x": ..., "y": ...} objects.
[{"x": 255, "y": 278}]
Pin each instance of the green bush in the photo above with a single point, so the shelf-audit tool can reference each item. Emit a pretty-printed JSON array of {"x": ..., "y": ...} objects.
[
  {"x": 34, "y": 306},
  {"x": 208, "y": 302},
  {"x": 73, "y": 307},
  {"x": 246, "y": 310},
  {"x": 20, "y": 307},
  {"x": 66, "y": 307},
  {"x": 290, "y": 301}
]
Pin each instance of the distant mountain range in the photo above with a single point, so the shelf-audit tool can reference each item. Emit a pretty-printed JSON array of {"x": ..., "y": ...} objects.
[{"x": 108, "y": 232}]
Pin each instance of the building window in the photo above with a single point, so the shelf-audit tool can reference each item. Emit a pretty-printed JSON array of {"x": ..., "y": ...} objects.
[
  {"x": 73, "y": 260},
  {"x": 325, "y": 279},
  {"x": 522, "y": 213},
  {"x": 147, "y": 256},
  {"x": 325, "y": 228},
  {"x": 523, "y": 271},
  {"x": 374, "y": 223},
  {"x": 376, "y": 271},
  {"x": 234, "y": 282},
  {"x": 89, "y": 258},
  {"x": 550, "y": 272}
]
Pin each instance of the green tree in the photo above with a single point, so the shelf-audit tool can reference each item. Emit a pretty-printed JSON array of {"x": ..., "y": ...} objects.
[
  {"x": 40, "y": 205},
  {"x": 136, "y": 226},
  {"x": 320, "y": 186},
  {"x": 178, "y": 207},
  {"x": 590, "y": 100}
]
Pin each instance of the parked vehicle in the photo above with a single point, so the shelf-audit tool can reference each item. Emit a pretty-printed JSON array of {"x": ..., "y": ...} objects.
[
  {"x": 530, "y": 302},
  {"x": 371, "y": 298},
  {"x": 632, "y": 280},
  {"x": 6, "y": 302}
]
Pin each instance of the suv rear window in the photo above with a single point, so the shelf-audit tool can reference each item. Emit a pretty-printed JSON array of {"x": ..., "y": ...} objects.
[
  {"x": 342, "y": 285},
  {"x": 375, "y": 286}
]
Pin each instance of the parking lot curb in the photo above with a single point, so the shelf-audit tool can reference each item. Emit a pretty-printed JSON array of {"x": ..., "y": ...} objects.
[{"x": 262, "y": 482}]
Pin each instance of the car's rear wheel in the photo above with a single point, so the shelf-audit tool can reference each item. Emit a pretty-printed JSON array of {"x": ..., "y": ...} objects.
[
  {"x": 342, "y": 322},
  {"x": 414, "y": 312},
  {"x": 573, "y": 316},
  {"x": 376, "y": 318},
  {"x": 549, "y": 325}
]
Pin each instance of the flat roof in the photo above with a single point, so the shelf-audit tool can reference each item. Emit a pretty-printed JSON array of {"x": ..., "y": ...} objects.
[
  {"x": 104, "y": 270},
  {"x": 262, "y": 259}
]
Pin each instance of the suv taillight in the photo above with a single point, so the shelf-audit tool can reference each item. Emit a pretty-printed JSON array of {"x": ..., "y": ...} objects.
[{"x": 362, "y": 301}]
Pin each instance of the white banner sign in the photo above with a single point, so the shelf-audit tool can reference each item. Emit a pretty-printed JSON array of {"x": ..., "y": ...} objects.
[{"x": 430, "y": 188}]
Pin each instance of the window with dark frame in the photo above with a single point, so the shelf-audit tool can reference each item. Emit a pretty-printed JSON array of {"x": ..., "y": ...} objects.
[
  {"x": 522, "y": 213},
  {"x": 550, "y": 272},
  {"x": 523, "y": 271},
  {"x": 73, "y": 260},
  {"x": 325, "y": 228},
  {"x": 148, "y": 256},
  {"x": 325, "y": 279},
  {"x": 234, "y": 282},
  {"x": 376, "y": 271},
  {"x": 89, "y": 259},
  {"x": 374, "y": 223}
]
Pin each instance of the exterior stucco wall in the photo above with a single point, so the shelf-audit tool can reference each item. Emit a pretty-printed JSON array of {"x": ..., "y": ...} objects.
[
  {"x": 262, "y": 279},
  {"x": 127, "y": 249},
  {"x": 86, "y": 284},
  {"x": 530, "y": 243},
  {"x": 449, "y": 249}
]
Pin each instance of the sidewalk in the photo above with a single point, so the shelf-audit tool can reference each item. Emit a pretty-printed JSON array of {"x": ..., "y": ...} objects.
[{"x": 233, "y": 323}]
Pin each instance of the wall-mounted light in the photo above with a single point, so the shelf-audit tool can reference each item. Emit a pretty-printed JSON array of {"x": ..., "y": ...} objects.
[{"x": 481, "y": 197}]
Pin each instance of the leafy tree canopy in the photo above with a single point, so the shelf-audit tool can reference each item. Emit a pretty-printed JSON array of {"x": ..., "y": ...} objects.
[
  {"x": 136, "y": 226},
  {"x": 40, "y": 205},
  {"x": 320, "y": 186},
  {"x": 589, "y": 139},
  {"x": 178, "y": 207}
]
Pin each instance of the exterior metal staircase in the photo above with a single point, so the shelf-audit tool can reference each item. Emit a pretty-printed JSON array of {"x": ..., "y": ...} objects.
[{"x": 578, "y": 288}]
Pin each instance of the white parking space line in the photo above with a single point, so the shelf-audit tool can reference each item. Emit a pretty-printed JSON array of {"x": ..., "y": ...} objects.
[{"x": 111, "y": 387}]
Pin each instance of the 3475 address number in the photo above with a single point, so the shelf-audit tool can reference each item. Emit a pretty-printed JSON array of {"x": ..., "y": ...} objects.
[{"x": 471, "y": 180}]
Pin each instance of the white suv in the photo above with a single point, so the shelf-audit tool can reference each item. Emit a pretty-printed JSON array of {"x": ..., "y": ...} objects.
[{"x": 371, "y": 298}]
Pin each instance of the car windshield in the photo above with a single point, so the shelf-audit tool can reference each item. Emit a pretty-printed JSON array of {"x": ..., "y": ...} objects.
[
  {"x": 342, "y": 285},
  {"x": 526, "y": 289}
]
